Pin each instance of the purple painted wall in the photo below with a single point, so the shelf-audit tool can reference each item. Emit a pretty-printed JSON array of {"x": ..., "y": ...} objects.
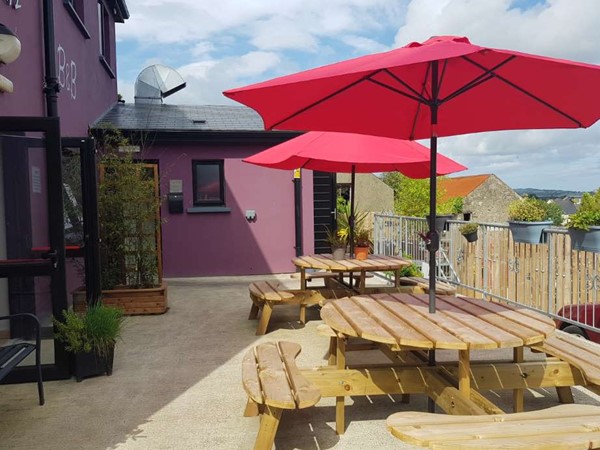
[
  {"x": 87, "y": 89},
  {"x": 226, "y": 243}
]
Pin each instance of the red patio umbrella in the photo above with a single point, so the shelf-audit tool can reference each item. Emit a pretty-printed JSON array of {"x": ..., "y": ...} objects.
[
  {"x": 353, "y": 153},
  {"x": 444, "y": 86}
]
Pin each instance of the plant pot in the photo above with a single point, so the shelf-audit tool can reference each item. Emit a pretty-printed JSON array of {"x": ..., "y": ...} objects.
[
  {"x": 528, "y": 232},
  {"x": 339, "y": 253},
  {"x": 588, "y": 241},
  {"x": 131, "y": 301},
  {"x": 361, "y": 252},
  {"x": 471, "y": 237},
  {"x": 441, "y": 222},
  {"x": 89, "y": 364}
]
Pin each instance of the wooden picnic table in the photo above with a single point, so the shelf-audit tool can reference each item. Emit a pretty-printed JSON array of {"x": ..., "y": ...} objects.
[
  {"x": 373, "y": 263},
  {"x": 402, "y": 322}
]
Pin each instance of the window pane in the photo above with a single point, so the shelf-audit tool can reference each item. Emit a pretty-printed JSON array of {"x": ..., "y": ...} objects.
[{"x": 208, "y": 183}]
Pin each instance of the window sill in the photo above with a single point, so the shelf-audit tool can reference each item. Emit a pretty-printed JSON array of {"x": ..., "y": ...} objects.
[
  {"x": 86, "y": 34},
  {"x": 107, "y": 67},
  {"x": 208, "y": 209}
]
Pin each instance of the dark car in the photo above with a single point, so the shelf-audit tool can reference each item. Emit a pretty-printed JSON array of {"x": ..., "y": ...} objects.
[{"x": 588, "y": 314}]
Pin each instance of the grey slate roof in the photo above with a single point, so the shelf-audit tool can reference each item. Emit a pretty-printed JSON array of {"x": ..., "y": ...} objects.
[
  {"x": 566, "y": 205},
  {"x": 162, "y": 117}
]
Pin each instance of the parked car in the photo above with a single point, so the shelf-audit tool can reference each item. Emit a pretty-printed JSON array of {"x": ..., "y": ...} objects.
[{"x": 588, "y": 314}]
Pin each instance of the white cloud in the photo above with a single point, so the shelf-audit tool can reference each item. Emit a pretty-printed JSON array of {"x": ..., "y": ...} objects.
[{"x": 230, "y": 43}]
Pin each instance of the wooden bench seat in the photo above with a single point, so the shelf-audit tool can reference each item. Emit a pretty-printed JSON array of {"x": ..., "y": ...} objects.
[
  {"x": 559, "y": 427},
  {"x": 440, "y": 287},
  {"x": 273, "y": 383},
  {"x": 267, "y": 294},
  {"x": 578, "y": 352}
]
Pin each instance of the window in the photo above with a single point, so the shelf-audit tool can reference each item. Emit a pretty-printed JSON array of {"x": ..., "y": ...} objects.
[
  {"x": 104, "y": 38},
  {"x": 209, "y": 183},
  {"x": 76, "y": 10}
]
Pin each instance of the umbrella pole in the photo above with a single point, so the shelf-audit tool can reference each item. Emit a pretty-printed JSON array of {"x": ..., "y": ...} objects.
[
  {"x": 351, "y": 218},
  {"x": 434, "y": 239}
]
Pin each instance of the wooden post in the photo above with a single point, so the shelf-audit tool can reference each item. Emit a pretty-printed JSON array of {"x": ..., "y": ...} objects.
[
  {"x": 464, "y": 373},
  {"x": 265, "y": 316},
  {"x": 269, "y": 421},
  {"x": 339, "y": 401},
  {"x": 518, "y": 393}
]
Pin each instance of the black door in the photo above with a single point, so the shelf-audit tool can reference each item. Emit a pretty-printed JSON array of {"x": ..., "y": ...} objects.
[
  {"x": 32, "y": 247},
  {"x": 324, "y": 205}
]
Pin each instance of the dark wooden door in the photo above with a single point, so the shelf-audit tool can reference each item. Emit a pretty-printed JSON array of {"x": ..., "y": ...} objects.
[{"x": 324, "y": 185}]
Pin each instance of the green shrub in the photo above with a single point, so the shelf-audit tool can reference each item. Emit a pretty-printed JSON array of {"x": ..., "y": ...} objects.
[
  {"x": 588, "y": 214},
  {"x": 528, "y": 209},
  {"x": 411, "y": 271},
  {"x": 97, "y": 330},
  {"x": 468, "y": 228}
]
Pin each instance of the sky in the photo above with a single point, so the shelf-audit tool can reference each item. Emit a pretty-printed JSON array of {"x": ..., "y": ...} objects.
[{"x": 223, "y": 44}]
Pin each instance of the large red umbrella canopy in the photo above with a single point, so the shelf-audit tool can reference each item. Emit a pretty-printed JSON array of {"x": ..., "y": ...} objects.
[
  {"x": 348, "y": 152},
  {"x": 391, "y": 93},
  {"x": 442, "y": 87}
]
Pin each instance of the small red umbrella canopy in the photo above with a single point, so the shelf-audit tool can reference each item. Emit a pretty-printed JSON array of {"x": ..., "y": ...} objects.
[
  {"x": 353, "y": 153},
  {"x": 442, "y": 87}
]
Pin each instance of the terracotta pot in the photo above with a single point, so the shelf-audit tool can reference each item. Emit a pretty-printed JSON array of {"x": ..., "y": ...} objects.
[{"x": 361, "y": 252}]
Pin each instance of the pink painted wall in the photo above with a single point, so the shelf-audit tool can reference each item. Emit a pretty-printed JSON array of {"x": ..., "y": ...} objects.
[
  {"x": 226, "y": 243},
  {"x": 87, "y": 90}
]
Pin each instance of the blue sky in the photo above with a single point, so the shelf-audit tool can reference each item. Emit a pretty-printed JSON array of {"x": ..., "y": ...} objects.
[{"x": 221, "y": 45}]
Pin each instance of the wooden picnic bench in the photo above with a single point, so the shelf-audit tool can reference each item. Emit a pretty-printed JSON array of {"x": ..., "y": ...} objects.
[
  {"x": 12, "y": 354},
  {"x": 441, "y": 288},
  {"x": 559, "y": 427},
  {"x": 273, "y": 383},
  {"x": 578, "y": 352},
  {"x": 265, "y": 295}
]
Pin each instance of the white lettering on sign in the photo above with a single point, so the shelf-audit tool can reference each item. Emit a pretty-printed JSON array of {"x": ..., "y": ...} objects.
[
  {"x": 16, "y": 4},
  {"x": 67, "y": 73}
]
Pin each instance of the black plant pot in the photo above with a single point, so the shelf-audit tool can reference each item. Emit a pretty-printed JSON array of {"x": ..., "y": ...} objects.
[
  {"x": 89, "y": 364},
  {"x": 471, "y": 237},
  {"x": 441, "y": 222}
]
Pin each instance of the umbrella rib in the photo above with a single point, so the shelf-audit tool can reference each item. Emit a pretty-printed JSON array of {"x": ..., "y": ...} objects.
[
  {"x": 529, "y": 94},
  {"x": 324, "y": 99},
  {"x": 407, "y": 86},
  {"x": 486, "y": 76},
  {"x": 416, "y": 116},
  {"x": 398, "y": 91}
]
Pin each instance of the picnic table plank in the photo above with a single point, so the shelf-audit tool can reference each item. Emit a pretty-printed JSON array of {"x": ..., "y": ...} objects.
[
  {"x": 422, "y": 325},
  {"x": 402, "y": 332},
  {"x": 250, "y": 377},
  {"x": 467, "y": 332},
  {"x": 502, "y": 338},
  {"x": 556, "y": 427},
  {"x": 364, "y": 325},
  {"x": 338, "y": 322},
  {"x": 305, "y": 393},
  {"x": 272, "y": 376},
  {"x": 269, "y": 290},
  {"x": 500, "y": 318}
]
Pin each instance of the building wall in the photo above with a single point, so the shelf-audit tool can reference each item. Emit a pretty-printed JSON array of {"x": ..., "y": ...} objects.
[
  {"x": 372, "y": 194},
  {"x": 226, "y": 243},
  {"x": 87, "y": 88},
  {"x": 489, "y": 201}
]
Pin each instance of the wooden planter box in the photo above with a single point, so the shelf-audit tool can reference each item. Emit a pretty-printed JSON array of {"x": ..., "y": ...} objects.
[{"x": 131, "y": 301}]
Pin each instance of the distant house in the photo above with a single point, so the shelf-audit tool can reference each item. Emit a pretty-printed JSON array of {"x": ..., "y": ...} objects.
[
  {"x": 371, "y": 193},
  {"x": 231, "y": 218},
  {"x": 485, "y": 197},
  {"x": 568, "y": 205}
]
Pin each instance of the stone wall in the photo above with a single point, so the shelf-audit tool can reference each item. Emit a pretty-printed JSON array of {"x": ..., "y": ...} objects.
[
  {"x": 489, "y": 202},
  {"x": 372, "y": 194}
]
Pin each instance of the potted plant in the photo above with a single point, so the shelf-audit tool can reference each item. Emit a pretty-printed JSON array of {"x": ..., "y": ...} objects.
[
  {"x": 584, "y": 225},
  {"x": 362, "y": 243},
  {"x": 338, "y": 244},
  {"x": 528, "y": 217},
  {"x": 469, "y": 231},
  {"x": 90, "y": 338},
  {"x": 129, "y": 225}
]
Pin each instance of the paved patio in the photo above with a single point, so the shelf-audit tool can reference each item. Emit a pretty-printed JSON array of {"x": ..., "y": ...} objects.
[{"x": 177, "y": 385}]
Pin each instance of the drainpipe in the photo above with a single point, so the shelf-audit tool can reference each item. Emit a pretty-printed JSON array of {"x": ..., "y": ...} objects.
[{"x": 51, "y": 85}]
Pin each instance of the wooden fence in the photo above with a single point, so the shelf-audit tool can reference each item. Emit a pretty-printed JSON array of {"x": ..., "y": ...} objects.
[{"x": 544, "y": 276}]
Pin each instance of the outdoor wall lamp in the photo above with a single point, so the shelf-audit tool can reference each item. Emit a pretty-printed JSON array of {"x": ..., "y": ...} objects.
[
  {"x": 10, "y": 46},
  {"x": 10, "y": 49}
]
